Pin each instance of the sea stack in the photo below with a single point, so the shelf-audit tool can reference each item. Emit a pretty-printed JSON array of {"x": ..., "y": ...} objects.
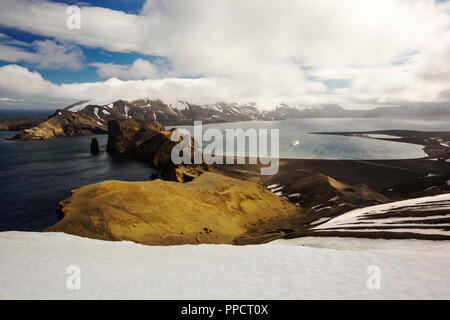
[{"x": 94, "y": 146}]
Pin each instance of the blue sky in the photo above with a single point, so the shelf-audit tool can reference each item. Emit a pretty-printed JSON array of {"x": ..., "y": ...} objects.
[
  {"x": 129, "y": 6},
  {"x": 365, "y": 54},
  {"x": 88, "y": 73}
]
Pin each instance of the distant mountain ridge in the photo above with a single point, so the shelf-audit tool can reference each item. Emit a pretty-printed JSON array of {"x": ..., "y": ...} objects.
[
  {"x": 170, "y": 113},
  {"x": 185, "y": 113},
  {"x": 86, "y": 117}
]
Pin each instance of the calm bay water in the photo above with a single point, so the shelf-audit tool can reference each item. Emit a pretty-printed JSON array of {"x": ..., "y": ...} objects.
[
  {"x": 36, "y": 175},
  {"x": 314, "y": 146}
]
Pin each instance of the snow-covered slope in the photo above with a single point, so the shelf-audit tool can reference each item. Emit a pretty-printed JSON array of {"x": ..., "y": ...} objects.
[
  {"x": 175, "y": 112},
  {"x": 36, "y": 265},
  {"x": 168, "y": 112},
  {"x": 428, "y": 216}
]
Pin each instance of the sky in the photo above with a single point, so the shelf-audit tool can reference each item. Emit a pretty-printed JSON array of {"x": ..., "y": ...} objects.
[{"x": 359, "y": 54}]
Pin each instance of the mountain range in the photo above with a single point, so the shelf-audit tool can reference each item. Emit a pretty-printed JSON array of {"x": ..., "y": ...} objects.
[
  {"x": 185, "y": 113},
  {"x": 93, "y": 116}
]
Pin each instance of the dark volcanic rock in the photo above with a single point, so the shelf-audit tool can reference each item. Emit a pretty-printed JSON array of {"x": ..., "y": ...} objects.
[
  {"x": 94, "y": 146},
  {"x": 149, "y": 141}
]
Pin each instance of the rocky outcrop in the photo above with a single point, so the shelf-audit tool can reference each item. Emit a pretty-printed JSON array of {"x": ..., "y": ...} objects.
[
  {"x": 211, "y": 209},
  {"x": 19, "y": 123},
  {"x": 95, "y": 149},
  {"x": 63, "y": 123},
  {"x": 149, "y": 141},
  {"x": 324, "y": 190},
  {"x": 322, "y": 198}
]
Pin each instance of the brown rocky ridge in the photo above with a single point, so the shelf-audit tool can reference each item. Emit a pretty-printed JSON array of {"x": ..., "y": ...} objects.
[{"x": 62, "y": 123}]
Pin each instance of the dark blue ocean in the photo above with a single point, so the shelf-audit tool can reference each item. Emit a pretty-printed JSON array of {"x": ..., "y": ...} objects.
[
  {"x": 24, "y": 113},
  {"x": 36, "y": 175}
]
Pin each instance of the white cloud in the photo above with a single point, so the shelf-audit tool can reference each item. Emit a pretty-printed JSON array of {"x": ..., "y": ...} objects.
[
  {"x": 10, "y": 100},
  {"x": 20, "y": 81},
  {"x": 44, "y": 54},
  {"x": 264, "y": 50},
  {"x": 139, "y": 69}
]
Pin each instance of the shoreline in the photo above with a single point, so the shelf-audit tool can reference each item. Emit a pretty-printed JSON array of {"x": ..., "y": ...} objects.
[
  {"x": 434, "y": 142},
  {"x": 393, "y": 179}
]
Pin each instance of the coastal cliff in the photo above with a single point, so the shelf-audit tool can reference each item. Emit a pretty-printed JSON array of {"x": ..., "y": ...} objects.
[
  {"x": 62, "y": 123},
  {"x": 150, "y": 142}
]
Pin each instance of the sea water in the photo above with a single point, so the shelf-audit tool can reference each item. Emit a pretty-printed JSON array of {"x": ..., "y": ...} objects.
[{"x": 36, "y": 175}]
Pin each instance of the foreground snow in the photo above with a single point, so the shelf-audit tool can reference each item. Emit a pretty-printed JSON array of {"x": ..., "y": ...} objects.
[{"x": 34, "y": 265}]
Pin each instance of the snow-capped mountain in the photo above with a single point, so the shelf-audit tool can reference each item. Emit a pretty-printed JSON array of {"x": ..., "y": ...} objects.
[
  {"x": 93, "y": 116},
  {"x": 183, "y": 112},
  {"x": 168, "y": 113},
  {"x": 285, "y": 111},
  {"x": 177, "y": 112}
]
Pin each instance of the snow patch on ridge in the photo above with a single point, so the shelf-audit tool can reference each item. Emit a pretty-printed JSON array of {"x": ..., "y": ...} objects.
[
  {"x": 408, "y": 216},
  {"x": 82, "y": 106}
]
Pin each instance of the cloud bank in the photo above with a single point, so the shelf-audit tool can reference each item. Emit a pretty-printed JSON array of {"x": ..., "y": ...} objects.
[{"x": 388, "y": 51}]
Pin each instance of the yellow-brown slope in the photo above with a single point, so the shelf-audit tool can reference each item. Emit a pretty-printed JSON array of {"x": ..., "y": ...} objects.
[{"x": 210, "y": 209}]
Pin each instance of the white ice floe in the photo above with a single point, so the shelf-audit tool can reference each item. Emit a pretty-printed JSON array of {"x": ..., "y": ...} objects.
[{"x": 37, "y": 266}]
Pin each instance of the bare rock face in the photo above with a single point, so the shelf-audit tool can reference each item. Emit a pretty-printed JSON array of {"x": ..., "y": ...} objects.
[
  {"x": 95, "y": 149},
  {"x": 210, "y": 209},
  {"x": 149, "y": 141},
  {"x": 63, "y": 123}
]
